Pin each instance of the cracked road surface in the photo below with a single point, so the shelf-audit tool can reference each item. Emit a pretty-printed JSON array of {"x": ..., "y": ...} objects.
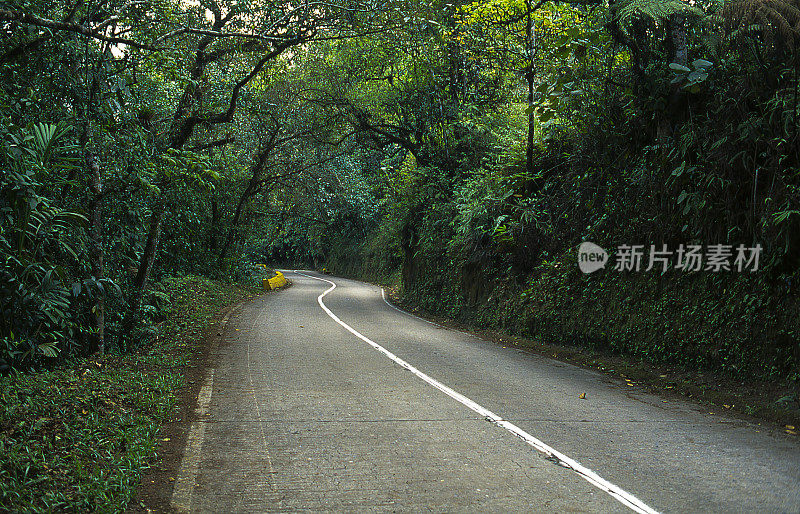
[{"x": 300, "y": 414}]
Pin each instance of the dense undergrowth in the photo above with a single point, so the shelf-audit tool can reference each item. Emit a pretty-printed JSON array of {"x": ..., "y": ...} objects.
[{"x": 79, "y": 436}]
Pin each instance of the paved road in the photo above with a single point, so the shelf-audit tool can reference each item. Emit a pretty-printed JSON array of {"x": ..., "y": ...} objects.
[{"x": 301, "y": 413}]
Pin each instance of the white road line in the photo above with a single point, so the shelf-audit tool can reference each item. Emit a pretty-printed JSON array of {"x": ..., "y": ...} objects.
[
  {"x": 383, "y": 295},
  {"x": 183, "y": 492},
  {"x": 590, "y": 476},
  {"x": 401, "y": 311}
]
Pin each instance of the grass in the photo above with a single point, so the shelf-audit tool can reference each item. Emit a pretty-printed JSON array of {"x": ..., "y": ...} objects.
[{"x": 78, "y": 437}]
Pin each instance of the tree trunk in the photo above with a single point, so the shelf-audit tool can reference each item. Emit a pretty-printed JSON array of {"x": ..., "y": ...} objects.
[
  {"x": 252, "y": 189},
  {"x": 181, "y": 128},
  {"x": 179, "y": 132},
  {"x": 795, "y": 141},
  {"x": 237, "y": 215},
  {"x": 215, "y": 219},
  {"x": 96, "y": 248},
  {"x": 678, "y": 53},
  {"x": 530, "y": 75},
  {"x": 145, "y": 263},
  {"x": 677, "y": 36},
  {"x": 96, "y": 343}
]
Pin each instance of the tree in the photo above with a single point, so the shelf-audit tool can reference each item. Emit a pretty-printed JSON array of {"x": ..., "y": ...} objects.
[{"x": 244, "y": 40}]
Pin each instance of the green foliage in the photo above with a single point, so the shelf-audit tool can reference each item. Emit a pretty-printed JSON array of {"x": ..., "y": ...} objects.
[
  {"x": 79, "y": 437},
  {"x": 775, "y": 24},
  {"x": 696, "y": 321},
  {"x": 36, "y": 321},
  {"x": 692, "y": 78},
  {"x": 626, "y": 13}
]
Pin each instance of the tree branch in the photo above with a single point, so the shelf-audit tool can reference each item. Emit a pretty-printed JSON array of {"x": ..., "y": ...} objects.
[
  {"x": 213, "y": 144},
  {"x": 227, "y": 116},
  {"x": 29, "y": 19}
]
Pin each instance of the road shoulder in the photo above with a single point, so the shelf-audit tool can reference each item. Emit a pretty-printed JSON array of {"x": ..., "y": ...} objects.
[{"x": 155, "y": 491}]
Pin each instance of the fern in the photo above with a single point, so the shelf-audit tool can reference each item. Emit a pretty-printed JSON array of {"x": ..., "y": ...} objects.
[
  {"x": 625, "y": 13},
  {"x": 776, "y": 22}
]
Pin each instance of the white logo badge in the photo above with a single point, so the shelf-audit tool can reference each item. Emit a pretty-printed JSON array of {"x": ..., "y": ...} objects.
[{"x": 591, "y": 257}]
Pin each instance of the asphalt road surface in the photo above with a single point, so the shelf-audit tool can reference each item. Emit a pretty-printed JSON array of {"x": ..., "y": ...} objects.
[{"x": 344, "y": 403}]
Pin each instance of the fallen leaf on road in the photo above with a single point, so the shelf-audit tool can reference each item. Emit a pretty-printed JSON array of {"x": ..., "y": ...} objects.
[
  {"x": 790, "y": 427},
  {"x": 582, "y": 396},
  {"x": 791, "y": 432},
  {"x": 166, "y": 439}
]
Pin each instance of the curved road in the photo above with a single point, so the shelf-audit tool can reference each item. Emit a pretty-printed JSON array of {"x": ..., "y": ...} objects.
[{"x": 307, "y": 410}]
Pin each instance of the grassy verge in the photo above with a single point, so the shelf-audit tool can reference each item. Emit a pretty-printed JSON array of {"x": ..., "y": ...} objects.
[{"x": 78, "y": 437}]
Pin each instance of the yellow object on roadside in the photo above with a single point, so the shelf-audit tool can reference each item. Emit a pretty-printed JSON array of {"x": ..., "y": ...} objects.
[{"x": 275, "y": 282}]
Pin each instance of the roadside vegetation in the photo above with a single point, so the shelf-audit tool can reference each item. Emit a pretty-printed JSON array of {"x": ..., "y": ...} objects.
[{"x": 78, "y": 437}]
